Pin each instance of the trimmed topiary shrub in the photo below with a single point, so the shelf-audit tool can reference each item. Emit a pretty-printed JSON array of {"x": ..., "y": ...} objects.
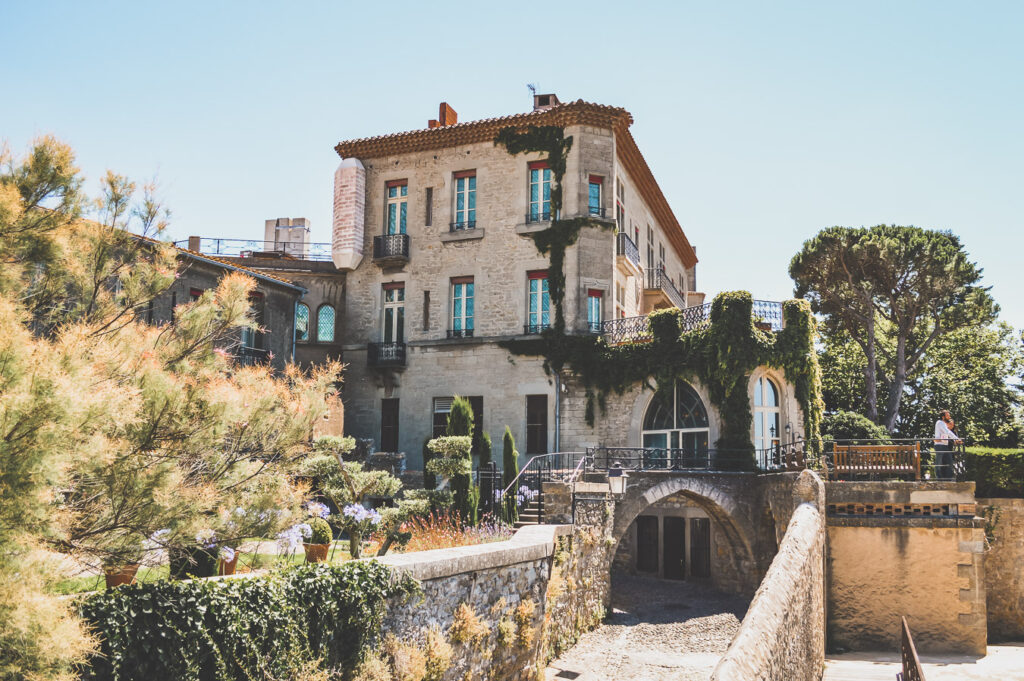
[
  {"x": 321, "y": 531},
  {"x": 848, "y": 425}
]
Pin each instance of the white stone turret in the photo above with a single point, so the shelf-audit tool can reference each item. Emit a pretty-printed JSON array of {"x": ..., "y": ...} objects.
[{"x": 349, "y": 214}]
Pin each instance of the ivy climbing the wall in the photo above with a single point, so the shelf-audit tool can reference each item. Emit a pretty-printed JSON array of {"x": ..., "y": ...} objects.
[
  {"x": 561, "y": 234},
  {"x": 721, "y": 354}
]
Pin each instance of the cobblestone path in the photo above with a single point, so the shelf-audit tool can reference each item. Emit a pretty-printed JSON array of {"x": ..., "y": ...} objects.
[{"x": 658, "y": 629}]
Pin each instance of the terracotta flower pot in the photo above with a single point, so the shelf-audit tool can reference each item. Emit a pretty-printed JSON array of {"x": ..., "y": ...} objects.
[
  {"x": 316, "y": 553},
  {"x": 123, "y": 574},
  {"x": 227, "y": 567}
]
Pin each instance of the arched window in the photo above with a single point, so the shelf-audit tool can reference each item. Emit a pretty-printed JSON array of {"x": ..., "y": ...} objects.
[
  {"x": 325, "y": 324},
  {"x": 302, "y": 322},
  {"x": 676, "y": 426},
  {"x": 766, "y": 414}
]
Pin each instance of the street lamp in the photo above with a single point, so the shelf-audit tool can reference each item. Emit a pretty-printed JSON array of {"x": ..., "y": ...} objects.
[{"x": 617, "y": 478}]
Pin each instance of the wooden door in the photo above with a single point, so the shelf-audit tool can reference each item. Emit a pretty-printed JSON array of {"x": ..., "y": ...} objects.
[
  {"x": 675, "y": 548},
  {"x": 700, "y": 547},
  {"x": 647, "y": 543}
]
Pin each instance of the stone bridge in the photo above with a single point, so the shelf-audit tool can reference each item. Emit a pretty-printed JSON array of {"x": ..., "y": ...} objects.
[{"x": 749, "y": 511}]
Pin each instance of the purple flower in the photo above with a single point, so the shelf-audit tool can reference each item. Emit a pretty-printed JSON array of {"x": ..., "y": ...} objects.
[
  {"x": 227, "y": 554},
  {"x": 305, "y": 530},
  {"x": 318, "y": 510},
  {"x": 207, "y": 539}
]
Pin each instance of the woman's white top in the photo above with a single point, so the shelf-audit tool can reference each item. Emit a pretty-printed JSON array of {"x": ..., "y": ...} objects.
[{"x": 942, "y": 433}]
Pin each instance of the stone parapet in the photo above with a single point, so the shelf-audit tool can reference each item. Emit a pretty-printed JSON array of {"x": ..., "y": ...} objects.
[{"x": 1004, "y": 576}]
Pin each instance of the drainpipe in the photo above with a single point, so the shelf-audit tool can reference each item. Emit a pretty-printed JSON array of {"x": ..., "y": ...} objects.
[
  {"x": 558, "y": 410},
  {"x": 295, "y": 314}
]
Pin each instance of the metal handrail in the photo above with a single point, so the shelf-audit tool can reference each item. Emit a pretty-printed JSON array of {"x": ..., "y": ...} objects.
[
  {"x": 579, "y": 469},
  {"x": 525, "y": 468},
  {"x": 243, "y": 248}
]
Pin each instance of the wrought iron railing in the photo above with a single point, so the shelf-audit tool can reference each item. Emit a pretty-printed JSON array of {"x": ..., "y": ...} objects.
[
  {"x": 246, "y": 356},
  {"x": 625, "y": 247},
  {"x": 596, "y": 211},
  {"x": 386, "y": 355},
  {"x": 532, "y": 329},
  {"x": 462, "y": 226},
  {"x": 625, "y": 329},
  {"x": 537, "y": 216},
  {"x": 912, "y": 670},
  {"x": 245, "y": 248},
  {"x": 768, "y": 312},
  {"x": 657, "y": 279},
  {"x": 773, "y": 459},
  {"x": 460, "y": 333},
  {"x": 629, "y": 329},
  {"x": 391, "y": 246}
]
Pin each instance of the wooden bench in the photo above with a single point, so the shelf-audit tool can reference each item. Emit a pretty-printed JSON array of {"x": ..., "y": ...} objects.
[{"x": 876, "y": 460}]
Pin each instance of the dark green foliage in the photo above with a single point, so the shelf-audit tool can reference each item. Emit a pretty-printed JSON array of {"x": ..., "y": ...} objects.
[
  {"x": 721, "y": 355},
  {"x": 562, "y": 234},
  {"x": 510, "y": 470},
  {"x": 196, "y": 562},
  {"x": 429, "y": 479},
  {"x": 482, "y": 447},
  {"x": 466, "y": 496},
  {"x": 321, "y": 531},
  {"x": 264, "y": 627},
  {"x": 847, "y": 425},
  {"x": 996, "y": 472}
]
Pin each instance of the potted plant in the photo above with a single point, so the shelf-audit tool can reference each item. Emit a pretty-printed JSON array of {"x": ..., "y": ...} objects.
[
  {"x": 227, "y": 559},
  {"x": 200, "y": 560},
  {"x": 319, "y": 541},
  {"x": 121, "y": 565}
]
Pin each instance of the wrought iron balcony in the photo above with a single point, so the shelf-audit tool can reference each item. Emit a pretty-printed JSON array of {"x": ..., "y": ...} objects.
[
  {"x": 632, "y": 329},
  {"x": 386, "y": 355},
  {"x": 596, "y": 211},
  {"x": 658, "y": 280},
  {"x": 534, "y": 216},
  {"x": 460, "y": 333},
  {"x": 627, "y": 250},
  {"x": 247, "y": 357},
  {"x": 769, "y": 314},
  {"x": 391, "y": 248},
  {"x": 532, "y": 329},
  {"x": 462, "y": 226},
  {"x": 250, "y": 248}
]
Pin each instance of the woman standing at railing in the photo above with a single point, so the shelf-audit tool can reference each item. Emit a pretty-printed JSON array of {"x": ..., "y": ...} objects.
[{"x": 945, "y": 438}]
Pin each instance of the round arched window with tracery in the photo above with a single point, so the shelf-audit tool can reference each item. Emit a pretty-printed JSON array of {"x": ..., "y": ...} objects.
[
  {"x": 766, "y": 414},
  {"x": 676, "y": 425}
]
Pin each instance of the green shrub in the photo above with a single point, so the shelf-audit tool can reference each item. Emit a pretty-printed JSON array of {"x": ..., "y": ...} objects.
[
  {"x": 223, "y": 630},
  {"x": 847, "y": 425},
  {"x": 321, "y": 531},
  {"x": 995, "y": 472},
  {"x": 510, "y": 471}
]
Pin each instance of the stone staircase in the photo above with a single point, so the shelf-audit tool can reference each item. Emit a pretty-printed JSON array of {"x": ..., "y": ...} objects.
[{"x": 529, "y": 514}]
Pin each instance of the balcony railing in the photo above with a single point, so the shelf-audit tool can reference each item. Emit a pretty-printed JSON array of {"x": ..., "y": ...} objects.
[
  {"x": 386, "y": 355},
  {"x": 596, "y": 211},
  {"x": 460, "y": 333},
  {"x": 657, "y": 279},
  {"x": 247, "y": 357},
  {"x": 462, "y": 226},
  {"x": 625, "y": 248},
  {"x": 247, "y": 248},
  {"x": 786, "y": 457},
  {"x": 631, "y": 329},
  {"x": 534, "y": 216},
  {"x": 533, "y": 329},
  {"x": 391, "y": 247}
]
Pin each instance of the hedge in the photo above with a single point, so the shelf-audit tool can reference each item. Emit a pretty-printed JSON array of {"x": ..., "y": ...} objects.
[
  {"x": 995, "y": 472},
  {"x": 256, "y": 628}
]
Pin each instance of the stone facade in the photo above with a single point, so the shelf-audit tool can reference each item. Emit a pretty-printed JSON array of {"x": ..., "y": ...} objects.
[
  {"x": 198, "y": 274},
  {"x": 498, "y": 254},
  {"x": 1004, "y": 568},
  {"x": 930, "y": 569}
]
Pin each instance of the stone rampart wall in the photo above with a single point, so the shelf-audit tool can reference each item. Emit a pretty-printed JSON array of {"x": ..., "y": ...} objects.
[
  {"x": 505, "y": 608},
  {"x": 1004, "y": 577},
  {"x": 783, "y": 634}
]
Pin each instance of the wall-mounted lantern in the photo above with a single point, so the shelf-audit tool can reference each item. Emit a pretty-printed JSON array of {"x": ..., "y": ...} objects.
[{"x": 617, "y": 478}]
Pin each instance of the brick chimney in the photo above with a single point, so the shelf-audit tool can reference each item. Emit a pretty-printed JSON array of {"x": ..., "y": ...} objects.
[
  {"x": 543, "y": 102},
  {"x": 445, "y": 116}
]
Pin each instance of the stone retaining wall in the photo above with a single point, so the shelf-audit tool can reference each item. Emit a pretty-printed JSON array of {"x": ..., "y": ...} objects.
[
  {"x": 505, "y": 608},
  {"x": 1004, "y": 576},
  {"x": 783, "y": 634}
]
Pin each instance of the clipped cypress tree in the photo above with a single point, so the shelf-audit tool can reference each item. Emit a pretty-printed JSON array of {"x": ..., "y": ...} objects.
[
  {"x": 460, "y": 422},
  {"x": 510, "y": 470},
  {"x": 429, "y": 479}
]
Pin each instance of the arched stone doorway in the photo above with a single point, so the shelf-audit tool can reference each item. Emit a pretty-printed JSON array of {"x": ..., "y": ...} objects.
[{"x": 684, "y": 527}]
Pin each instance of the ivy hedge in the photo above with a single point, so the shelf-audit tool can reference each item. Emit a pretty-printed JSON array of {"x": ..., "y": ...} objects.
[
  {"x": 995, "y": 472},
  {"x": 233, "y": 629},
  {"x": 721, "y": 355}
]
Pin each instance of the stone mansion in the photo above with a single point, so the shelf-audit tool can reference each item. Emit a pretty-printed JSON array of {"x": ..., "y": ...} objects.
[{"x": 434, "y": 268}]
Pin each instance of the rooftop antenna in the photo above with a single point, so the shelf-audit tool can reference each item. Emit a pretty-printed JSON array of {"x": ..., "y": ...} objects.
[{"x": 533, "y": 88}]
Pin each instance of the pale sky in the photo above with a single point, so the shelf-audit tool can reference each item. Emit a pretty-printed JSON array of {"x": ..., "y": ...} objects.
[{"x": 763, "y": 122}]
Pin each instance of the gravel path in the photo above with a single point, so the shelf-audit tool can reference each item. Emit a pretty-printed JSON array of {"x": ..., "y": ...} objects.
[{"x": 658, "y": 629}]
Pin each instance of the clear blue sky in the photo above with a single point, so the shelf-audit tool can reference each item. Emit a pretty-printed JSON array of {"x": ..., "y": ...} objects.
[{"x": 763, "y": 122}]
